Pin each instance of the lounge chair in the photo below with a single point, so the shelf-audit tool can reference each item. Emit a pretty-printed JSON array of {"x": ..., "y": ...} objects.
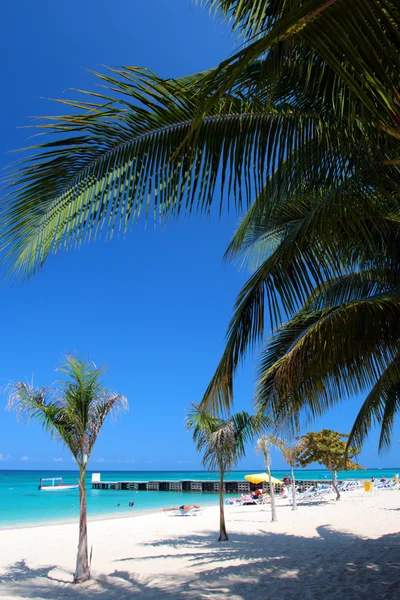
[
  {"x": 248, "y": 500},
  {"x": 389, "y": 485},
  {"x": 264, "y": 499},
  {"x": 349, "y": 486},
  {"x": 320, "y": 493}
]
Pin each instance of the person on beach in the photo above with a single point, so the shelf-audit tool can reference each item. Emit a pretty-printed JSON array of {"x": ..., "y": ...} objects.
[
  {"x": 287, "y": 480},
  {"x": 256, "y": 494},
  {"x": 184, "y": 508}
]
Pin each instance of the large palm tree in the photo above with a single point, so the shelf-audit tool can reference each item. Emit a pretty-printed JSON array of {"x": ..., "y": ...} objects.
[
  {"x": 222, "y": 442},
  {"x": 305, "y": 119},
  {"x": 74, "y": 413}
]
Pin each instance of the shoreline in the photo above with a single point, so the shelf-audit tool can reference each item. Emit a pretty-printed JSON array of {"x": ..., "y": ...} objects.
[
  {"x": 92, "y": 519},
  {"x": 96, "y": 520}
]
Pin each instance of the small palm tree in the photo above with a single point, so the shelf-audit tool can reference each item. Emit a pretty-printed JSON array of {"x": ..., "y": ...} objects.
[
  {"x": 223, "y": 443},
  {"x": 74, "y": 413},
  {"x": 264, "y": 446},
  {"x": 290, "y": 453}
]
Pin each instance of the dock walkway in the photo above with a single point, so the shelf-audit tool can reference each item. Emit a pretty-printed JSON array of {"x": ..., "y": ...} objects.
[{"x": 193, "y": 485}]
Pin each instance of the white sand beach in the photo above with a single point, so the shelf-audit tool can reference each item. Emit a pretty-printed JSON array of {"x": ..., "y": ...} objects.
[{"x": 346, "y": 550}]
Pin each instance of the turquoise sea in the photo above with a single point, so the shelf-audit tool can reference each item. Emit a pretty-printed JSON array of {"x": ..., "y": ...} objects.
[{"x": 22, "y": 504}]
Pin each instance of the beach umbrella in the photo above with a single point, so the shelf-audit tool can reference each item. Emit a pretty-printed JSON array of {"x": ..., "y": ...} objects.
[{"x": 260, "y": 478}]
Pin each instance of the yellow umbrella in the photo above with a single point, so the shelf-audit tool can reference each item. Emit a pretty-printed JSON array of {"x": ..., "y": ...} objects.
[{"x": 261, "y": 477}]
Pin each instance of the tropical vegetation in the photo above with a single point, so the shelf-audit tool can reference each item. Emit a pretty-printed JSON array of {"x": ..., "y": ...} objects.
[
  {"x": 328, "y": 448},
  {"x": 222, "y": 442},
  {"x": 304, "y": 122},
  {"x": 72, "y": 412}
]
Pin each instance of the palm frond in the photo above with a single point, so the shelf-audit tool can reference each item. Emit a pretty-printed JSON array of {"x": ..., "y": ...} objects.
[
  {"x": 309, "y": 254},
  {"x": 75, "y": 410},
  {"x": 250, "y": 17},
  {"x": 32, "y": 403},
  {"x": 363, "y": 58},
  {"x": 222, "y": 441},
  {"x": 330, "y": 360},
  {"x": 122, "y": 154},
  {"x": 128, "y": 152},
  {"x": 380, "y": 407}
]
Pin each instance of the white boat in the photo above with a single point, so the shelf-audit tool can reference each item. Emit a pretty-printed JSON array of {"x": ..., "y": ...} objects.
[{"x": 55, "y": 484}]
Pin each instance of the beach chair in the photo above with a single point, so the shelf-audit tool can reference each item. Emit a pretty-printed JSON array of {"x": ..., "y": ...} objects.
[
  {"x": 234, "y": 501},
  {"x": 247, "y": 500},
  {"x": 345, "y": 486},
  {"x": 324, "y": 491},
  {"x": 320, "y": 493},
  {"x": 301, "y": 497},
  {"x": 390, "y": 485},
  {"x": 285, "y": 492},
  {"x": 264, "y": 499}
]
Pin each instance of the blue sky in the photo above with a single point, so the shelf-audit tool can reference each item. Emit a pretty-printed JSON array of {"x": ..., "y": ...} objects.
[{"x": 154, "y": 306}]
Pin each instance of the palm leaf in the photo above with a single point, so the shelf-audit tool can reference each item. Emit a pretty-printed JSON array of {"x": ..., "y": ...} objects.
[
  {"x": 364, "y": 57},
  {"x": 331, "y": 358},
  {"x": 129, "y": 156},
  {"x": 380, "y": 407}
]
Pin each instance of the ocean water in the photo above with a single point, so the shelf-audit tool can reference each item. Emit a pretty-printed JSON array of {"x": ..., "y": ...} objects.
[{"x": 23, "y": 504}]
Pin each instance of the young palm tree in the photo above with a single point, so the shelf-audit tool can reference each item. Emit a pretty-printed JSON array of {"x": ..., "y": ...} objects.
[
  {"x": 73, "y": 413},
  {"x": 264, "y": 446},
  {"x": 223, "y": 444},
  {"x": 290, "y": 453}
]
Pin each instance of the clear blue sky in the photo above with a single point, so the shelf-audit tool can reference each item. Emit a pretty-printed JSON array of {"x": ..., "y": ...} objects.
[{"x": 154, "y": 306}]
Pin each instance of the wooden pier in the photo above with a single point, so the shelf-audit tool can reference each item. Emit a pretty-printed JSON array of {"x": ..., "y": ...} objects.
[{"x": 199, "y": 486}]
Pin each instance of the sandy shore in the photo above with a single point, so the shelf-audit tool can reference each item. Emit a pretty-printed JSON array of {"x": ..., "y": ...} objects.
[{"x": 345, "y": 550}]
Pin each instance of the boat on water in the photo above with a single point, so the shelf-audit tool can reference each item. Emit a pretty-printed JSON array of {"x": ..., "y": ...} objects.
[{"x": 55, "y": 484}]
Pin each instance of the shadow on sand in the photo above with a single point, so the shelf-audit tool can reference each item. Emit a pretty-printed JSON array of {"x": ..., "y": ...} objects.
[{"x": 334, "y": 565}]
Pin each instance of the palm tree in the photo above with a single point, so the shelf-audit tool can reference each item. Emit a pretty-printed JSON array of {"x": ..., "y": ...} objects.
[
  {"x": 73, "y": 413},
  {"x": 290, "y": 453},
  {"x": 264, "y": 446},
  {"x": 302, "y": 119},
  {"x": 223, "y": 443}
]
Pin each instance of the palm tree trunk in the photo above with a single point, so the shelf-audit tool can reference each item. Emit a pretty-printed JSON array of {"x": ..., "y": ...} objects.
[
  {"x": 223, "y": 536},
  {"x": 294, "y": 501},
  {"x": 82, "y": 571},
  {"x": 272, "y": 493},
  {"x": 335, "y": 485}
]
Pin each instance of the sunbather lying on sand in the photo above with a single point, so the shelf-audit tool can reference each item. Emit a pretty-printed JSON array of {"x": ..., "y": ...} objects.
[{"x": 184, "y": 508}]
